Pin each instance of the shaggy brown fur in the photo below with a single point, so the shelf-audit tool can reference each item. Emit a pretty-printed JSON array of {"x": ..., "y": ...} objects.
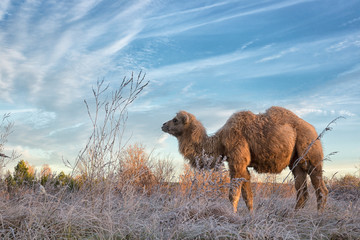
[{"x": 268, "y": 142}]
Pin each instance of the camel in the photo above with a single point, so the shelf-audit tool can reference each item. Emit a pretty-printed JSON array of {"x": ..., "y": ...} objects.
[{"x": 268, "y": 142}]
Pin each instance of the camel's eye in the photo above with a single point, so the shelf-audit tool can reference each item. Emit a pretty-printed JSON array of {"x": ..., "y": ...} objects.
[{"x": 175, "y": 120}]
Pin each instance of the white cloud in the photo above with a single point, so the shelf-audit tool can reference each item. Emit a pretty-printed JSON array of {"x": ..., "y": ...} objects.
[
  {"x": 201, "y": 64},
  {"x": 143, "y": 106},
  {"x": 36, "y": 118},
  {"x": 32, "y": 155},
  {"x": 354, "y": 20},
  {"x": 192, "y": 10},
  {"x": 116, "y": 46},
  {"x": 246, "y": 45},
  {"x": 179, "y": 23},
  {"x": 318, "y": 110},
  {"x": 347, "y": 113},
  {"x": 82, "y": 8},
  {"x": 61, "y": 58},
  {"x": 279, "y": 55},
  {"x": 298, "y": 58},
  {"x": 301, "y": 112},
  {"x": 348, "y": 42},
  {"x": 54, "y": 132},
  {"x": 4, "y": 4},
  {"x": 8, "y": 71},
  {"x": 187, "y": 88},
  {"x": 163, "y": 138}
]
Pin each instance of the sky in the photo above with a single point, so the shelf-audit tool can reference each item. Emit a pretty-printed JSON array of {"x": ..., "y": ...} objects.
[{"x": 210, "y": 58}]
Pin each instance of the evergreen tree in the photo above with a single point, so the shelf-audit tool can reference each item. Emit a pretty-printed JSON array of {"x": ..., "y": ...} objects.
[
  {"x": 10, "y": 182},
  {"x": 22, "y": 175},
  {"x": 45, "y": 174}
]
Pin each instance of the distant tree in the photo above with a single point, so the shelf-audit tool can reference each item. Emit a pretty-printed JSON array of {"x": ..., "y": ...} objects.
[
  {"x": 31, "y": 169},
  {"x": 10, "y": 182},
  {"x": 6, "y": 128},
  {"x": 63, "y": 179},
  {"x": 45, "y": 174},
  {"x": 24, "y": 174}
]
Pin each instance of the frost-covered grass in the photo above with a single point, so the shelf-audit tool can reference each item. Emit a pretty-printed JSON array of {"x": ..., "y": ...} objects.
[{"x": 106, "y": 212}]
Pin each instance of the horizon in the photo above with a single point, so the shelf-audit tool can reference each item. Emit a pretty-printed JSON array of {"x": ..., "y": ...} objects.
[{"x": 210, "y": 59}]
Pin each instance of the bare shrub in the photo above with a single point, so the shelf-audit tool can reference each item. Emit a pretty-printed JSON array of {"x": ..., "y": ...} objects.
[
  {"x": 163, "y": 169},
  {"x": 269, "y": 188},
  {"x": 346, "y": 188},
  {"x": 144, "y": 171},
  {"x": 135, "y": 168},
  {"x": 6, "y": 128},
  {"x": 101, "y": 157},
  {"x": 211, "y": 183}
]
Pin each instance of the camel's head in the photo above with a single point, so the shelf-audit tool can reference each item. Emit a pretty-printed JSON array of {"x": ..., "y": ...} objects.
[{"x": 178, "y": 124}]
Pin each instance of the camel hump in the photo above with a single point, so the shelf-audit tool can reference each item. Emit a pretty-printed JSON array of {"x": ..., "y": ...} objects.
[{"x": 280, "y": 114}]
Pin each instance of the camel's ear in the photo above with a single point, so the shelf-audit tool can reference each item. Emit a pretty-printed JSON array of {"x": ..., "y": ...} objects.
[{"x": 184, "y": 117}]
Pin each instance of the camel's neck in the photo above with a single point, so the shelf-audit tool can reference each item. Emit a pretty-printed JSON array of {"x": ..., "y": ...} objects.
[
  {"x": 196, "y": 144},
  {"x": 193, "y": 141}
]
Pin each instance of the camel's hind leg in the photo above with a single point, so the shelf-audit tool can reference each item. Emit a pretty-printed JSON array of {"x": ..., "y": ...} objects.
[
  {"x": 300, "y": 186},
  {"x": 234, "y": 193},
  {"x": 247, "y": 193},
  {"x": 240, "y": 183},
  {"x": 319, "y": 186}
]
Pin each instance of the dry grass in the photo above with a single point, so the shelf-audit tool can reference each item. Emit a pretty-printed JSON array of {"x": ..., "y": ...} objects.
[{"x": 107, "y": 212}]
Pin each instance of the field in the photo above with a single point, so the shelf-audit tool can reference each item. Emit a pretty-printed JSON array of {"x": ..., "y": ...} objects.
[
  {"x": 118, "y": 192},
  {"x": 194, "y": 209}
]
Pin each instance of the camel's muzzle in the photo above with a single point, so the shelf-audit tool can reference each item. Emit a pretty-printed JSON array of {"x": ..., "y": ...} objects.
[{"x": 165, "y": 128}]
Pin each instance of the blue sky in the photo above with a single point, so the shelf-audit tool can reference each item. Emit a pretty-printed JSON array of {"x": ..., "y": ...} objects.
[{"x": 211, "y": 58}]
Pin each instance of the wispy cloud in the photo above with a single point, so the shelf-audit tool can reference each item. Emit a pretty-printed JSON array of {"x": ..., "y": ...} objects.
[
  {"x": 244, "y": 59},
  {"x": 272, "y": 7},
  {"x": 8, "y": 68},
  {"x": 180, "y": 24},
  {"x": 200, "y": 64},
  {"x": 145, "y": 106},
  {"x": 3, "y": 8},
  {"x": 116, "y": 46},
  {"x": 54, "y": 132},
  {"x": 192, "y": 10},
  {"x": 279, "y": 55},
  {"x": 82, "y": 8},
  {"x": 354, "y": 20},
  {"x": 73, "y": 50},
  {"x": 304, "y": 111},
  {"x": 187, "y": 88},
  {"x": 33, "y": 117},
  {"x": 340, "y": 97},
  {"x": 293, "y": 58},
  {"x": 352, "y": 41},
  {"x": 163, "y": 138}
]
